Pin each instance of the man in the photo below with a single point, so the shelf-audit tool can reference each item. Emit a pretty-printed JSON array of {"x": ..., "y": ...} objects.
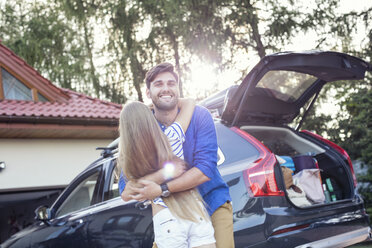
[{"x": 200, "y": 152}]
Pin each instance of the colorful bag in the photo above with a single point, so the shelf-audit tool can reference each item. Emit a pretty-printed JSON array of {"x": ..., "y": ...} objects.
[
  {"x": 309, "y": 180},
  {"x": 287, "y": 174},
  {"x": 298, "y": 196},
  {"x": 305, "y": 162}
]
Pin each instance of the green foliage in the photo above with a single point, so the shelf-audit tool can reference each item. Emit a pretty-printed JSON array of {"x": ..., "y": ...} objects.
[
  {"x": 62, "y": 35},
  {"x": 358, "y": 127},
  {"x": 127, "y": 52},
  {"x": 358, "y": 130},
  {"x": 82, "y": 11}
]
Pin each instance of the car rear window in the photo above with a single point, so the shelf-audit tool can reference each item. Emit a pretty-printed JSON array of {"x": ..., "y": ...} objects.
[
  {"x": 234, "y": 147},
  {"x": 287, "y": 86}
]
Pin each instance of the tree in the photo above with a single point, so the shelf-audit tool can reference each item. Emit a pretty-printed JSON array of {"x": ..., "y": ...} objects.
[
  {"x": 82, "y": 12},
  {"x": 125, "y": 18},
  {"x": 42, "y": 37}
]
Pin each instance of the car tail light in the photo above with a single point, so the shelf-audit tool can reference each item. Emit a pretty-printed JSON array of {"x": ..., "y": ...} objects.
[
  {"x": 260, "y": 178},
  {"x": 337, "y": 148}
]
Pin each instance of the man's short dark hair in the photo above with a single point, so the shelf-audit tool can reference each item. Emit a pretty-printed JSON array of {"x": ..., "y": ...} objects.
[{"x": 156, "y": 70}]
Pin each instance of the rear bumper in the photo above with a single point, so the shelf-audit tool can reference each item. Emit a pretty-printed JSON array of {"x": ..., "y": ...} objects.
[{"x": 341, "y": 240}]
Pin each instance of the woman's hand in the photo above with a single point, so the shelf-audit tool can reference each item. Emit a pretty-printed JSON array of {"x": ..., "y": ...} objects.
[
  {"x": 180, "y": 166},
  {"x": 149, "y": 190},
  {"x": 173, "y": 169}
]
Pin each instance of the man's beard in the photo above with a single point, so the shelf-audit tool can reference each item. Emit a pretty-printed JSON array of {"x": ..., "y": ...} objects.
[{"x": 165, "y": 106}]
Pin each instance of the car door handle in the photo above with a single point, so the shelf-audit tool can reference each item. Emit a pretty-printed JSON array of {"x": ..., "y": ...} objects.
[
  {"x": 77, "y": 223},
  {"x": 142, "y": 205}
]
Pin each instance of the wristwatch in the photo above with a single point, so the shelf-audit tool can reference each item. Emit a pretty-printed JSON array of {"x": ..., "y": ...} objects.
[{"x": 164, "y": 190}]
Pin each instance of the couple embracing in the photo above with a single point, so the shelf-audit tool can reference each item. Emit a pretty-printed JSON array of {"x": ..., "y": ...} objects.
[{"x": 169, "y": 157}]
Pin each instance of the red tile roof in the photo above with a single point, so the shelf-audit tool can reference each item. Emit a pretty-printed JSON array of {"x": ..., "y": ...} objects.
[
  {"x": 78, "y": 106},
  {"x": 65, "y": 104}
]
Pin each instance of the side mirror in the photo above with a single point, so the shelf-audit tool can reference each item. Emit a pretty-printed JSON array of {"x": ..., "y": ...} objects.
[{"x": 42, "y": 213}]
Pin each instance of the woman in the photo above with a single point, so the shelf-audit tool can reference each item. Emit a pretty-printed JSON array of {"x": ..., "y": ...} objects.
[{"x": 180, "y": 220}]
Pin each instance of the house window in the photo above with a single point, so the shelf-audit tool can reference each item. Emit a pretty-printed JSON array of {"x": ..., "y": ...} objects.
[
  {"x": 41, "y": 98},
  {"x": 13, "y": 89}
]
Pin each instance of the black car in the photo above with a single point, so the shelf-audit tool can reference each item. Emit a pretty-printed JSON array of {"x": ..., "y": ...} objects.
[{"x": 253, "y": 136}]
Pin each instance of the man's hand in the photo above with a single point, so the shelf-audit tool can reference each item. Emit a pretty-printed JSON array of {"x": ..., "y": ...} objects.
[
  {"x": 149, "y": 190},
  {"x": 175, "y": 168}
]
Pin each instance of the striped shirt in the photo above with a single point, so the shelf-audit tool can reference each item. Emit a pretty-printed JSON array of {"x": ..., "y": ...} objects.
[{"x": 176, "y": 137}]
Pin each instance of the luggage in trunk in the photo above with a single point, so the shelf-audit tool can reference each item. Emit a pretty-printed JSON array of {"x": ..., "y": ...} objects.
[{"x": 300, "y": 154}]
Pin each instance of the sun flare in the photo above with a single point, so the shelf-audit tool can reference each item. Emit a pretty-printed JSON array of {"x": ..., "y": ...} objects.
[{"x": 203, "y": 80}]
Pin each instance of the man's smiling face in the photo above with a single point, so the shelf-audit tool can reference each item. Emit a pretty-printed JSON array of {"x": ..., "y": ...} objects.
[{"x": 164, "y": 91}]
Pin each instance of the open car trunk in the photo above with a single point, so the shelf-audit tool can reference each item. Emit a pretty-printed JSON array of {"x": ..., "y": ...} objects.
[
  {"x": 271, "y": 97},
  {"x": 289, "y": 145}
]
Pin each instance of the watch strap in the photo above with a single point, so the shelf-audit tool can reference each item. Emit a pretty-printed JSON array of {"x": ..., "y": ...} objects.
[{"x": 164, "y": 190}]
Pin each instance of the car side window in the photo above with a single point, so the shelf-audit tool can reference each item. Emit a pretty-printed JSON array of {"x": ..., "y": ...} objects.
[
  {"x": 80, "y": 197},
  {"x": 113, "y": 191}
]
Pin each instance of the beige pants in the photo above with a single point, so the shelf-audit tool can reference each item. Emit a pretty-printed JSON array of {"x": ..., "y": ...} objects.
[{"x": 222, "y": 222}]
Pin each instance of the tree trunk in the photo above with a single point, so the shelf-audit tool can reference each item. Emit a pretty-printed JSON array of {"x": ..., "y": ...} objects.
[
  {"x": 93, "y": 75},
  {"x": 174, "y": 41},
  {"x": 137, "y": 73},
  {"x": 253, "y": 22},
  {"x": 257, "y": 38}
]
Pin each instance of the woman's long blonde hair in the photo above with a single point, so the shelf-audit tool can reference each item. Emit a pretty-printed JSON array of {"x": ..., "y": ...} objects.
[{"x": 144, "y": 149}]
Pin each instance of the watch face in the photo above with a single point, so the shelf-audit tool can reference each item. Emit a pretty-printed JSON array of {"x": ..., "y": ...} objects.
[{"x": 165, "y": 193}]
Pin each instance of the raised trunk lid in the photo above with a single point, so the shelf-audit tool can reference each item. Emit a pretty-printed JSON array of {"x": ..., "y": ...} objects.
[{"x": 280, "y": 85}]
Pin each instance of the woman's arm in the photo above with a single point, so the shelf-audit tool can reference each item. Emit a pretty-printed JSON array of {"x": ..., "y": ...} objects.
[
  {"x": 133, "y": 188},
  {"x": 186, "y": 106}
]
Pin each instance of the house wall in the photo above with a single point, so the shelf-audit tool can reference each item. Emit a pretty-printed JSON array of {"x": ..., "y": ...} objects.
[{"x": 44, "y": 163}]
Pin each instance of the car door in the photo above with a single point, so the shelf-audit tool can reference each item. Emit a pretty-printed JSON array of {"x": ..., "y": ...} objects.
[
  {"x": 115, "y": 223},
  {"x": 69, "y": 215}
]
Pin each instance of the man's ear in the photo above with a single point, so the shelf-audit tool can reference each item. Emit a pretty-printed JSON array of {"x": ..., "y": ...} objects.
[{"x": 148, "y": 93}]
